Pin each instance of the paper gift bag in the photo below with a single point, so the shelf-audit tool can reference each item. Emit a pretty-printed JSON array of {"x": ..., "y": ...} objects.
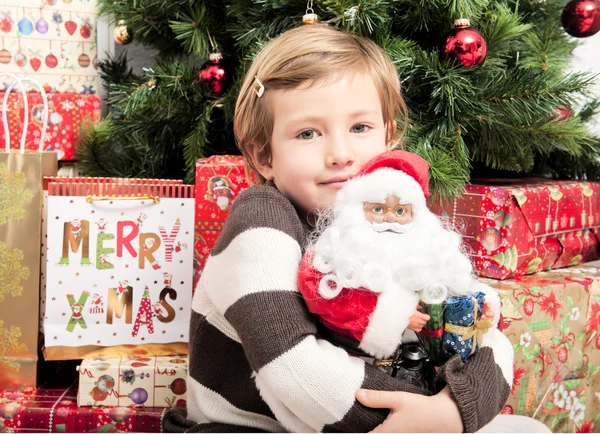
[
  {"x": 118, "y": 268},
  {"x": 21, "y": 175}
]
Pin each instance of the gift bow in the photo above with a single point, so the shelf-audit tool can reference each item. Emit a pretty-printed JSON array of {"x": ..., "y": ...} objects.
[{"x": 477, "y": 330}]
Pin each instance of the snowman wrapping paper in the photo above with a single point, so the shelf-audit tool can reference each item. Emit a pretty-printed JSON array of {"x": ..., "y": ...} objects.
[{"x": 117, "y": 269}]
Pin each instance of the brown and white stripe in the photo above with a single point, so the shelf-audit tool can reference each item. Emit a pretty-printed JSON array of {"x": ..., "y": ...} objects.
[{"x": 255, "y": 360}]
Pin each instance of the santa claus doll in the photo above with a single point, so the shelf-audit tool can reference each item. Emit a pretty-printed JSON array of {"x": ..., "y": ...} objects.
[{"x": 379, "y": 253}]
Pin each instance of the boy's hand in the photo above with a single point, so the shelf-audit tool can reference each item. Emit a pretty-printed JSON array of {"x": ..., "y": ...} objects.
[
  {"x": 488, "y": 311},
  {"x": 417, "y": 321},
  {"x": 413, "y": 413}
]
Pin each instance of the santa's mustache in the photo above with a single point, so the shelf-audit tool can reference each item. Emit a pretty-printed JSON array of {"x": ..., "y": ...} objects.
[{"x": 394, "y": 227}]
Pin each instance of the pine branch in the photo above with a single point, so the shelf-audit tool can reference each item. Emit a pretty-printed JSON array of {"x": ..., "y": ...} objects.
[{"x": 191, "y": 29}]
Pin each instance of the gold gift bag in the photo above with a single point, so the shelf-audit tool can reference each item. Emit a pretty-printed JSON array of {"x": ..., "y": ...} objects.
[{"x": 21, "y": 174}]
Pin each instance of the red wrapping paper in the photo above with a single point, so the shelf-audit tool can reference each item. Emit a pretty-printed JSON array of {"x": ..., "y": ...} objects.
[
  {"x": 67, "y": 113},
  {"x": 512, "y": 228},
  {"x": 219, "y": 180},
  {"x": 54, "y": 409}
]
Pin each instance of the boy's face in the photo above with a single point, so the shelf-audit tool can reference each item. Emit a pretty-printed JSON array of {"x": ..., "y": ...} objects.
[{"x": 322, "y": 136}]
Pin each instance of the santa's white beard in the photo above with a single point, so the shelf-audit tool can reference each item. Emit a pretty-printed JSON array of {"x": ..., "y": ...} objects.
[{"x": 423, "y": 258}]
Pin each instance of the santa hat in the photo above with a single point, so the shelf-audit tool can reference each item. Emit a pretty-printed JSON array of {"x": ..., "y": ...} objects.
[{"x": 400, "y": 173}]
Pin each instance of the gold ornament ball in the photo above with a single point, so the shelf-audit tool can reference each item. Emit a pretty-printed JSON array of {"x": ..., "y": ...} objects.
[
  {"x": 122, "y": 34},
  {"x": 310, "y": 19}
]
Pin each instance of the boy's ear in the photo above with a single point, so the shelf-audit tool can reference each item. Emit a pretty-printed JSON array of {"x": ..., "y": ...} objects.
[
  {"x": 262, "y": 162},
  {"x": 391, "y": 131}
]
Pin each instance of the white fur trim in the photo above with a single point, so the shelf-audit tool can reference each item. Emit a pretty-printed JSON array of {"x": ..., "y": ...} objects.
[
  {"x": 376, "y": 186},
  {"x": 504, "y": 354},
  {"x": 388, "y": 321}
]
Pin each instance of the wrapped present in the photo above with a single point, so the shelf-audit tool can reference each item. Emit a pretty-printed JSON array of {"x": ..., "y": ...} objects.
[
  {"x": 219, "y": 179},
  {"x": 463, "y": 325},
  {"x": 68, "y": 113},
  {"x": 517, "y": 227},
  {"x": 150, "y": 381},
  {"x": 552, "y": 319},
  {"x": 53, "y": 408},
  {"x": 455, "y": 327},
  {"x": 118, "y": 274}
]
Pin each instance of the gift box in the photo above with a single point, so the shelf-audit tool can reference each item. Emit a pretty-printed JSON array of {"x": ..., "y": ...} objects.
[
  {"x": 219, "y": 179},
  {"x": 454, "y": 327},
  {"x": 552, "y": 319},
  {"x": 55, "y": 410},
  {"x": 513, "y": 227},
  {"x": 67, "y": 114},
  {"x": 150, "y": 381}
]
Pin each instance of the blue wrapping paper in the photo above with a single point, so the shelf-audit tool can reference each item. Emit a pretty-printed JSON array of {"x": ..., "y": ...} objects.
[{"x": 459, "y": 311}]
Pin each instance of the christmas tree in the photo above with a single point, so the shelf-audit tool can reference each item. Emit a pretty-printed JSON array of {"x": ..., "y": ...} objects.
[{"x": 504, "y": 106}]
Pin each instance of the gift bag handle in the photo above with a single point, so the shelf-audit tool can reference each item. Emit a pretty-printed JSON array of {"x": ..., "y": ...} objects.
[
  {"x": 26, "y": 105},
  {"x": 5, "y": 114}
]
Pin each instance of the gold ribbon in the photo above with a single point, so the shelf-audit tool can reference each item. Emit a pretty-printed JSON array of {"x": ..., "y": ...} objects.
[{"x": 477, "y": 330}]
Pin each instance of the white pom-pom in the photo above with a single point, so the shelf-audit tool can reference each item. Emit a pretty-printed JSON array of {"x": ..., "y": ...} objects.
[
  {"x": 329, "y": 287},
  {"x": 434, "y": 294},
  {"x": 322, "y": 263},
  {"x": 375, "y": 277},
  {"x": 348, "y": 273}
]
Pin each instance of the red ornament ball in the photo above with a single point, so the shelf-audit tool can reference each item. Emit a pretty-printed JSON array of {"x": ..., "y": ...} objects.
[
  {"x": 6, "y": 25},
  {"x": 51, "y": 61},
  {"x": 85, "y": 31},
  {"x": 178, "y": 387},
  {"x": 581, "y": 18},
  {"x": 5, "y": 56},
  {"x": 214, "y": 73},
  {"x": 98, "y": 395},
  {"x": 465, "y": 44},
  {"x": 84, "y": 60}
]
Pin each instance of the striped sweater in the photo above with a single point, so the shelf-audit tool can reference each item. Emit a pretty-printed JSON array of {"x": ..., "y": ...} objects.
[{"x": 256, "y": 363}]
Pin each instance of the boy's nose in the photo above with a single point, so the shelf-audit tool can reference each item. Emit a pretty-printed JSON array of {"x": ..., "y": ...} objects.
[{"x": 338, "y": 153}]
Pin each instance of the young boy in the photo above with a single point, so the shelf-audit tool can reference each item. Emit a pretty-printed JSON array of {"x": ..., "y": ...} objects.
[{"x": 316, "y": 105}]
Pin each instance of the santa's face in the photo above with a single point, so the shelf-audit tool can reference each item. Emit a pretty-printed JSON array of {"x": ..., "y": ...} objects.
[
  {"x": 390, "y": 215},
  {"x": 423, "y": 257},
  {"x": 323, "y": 134}
]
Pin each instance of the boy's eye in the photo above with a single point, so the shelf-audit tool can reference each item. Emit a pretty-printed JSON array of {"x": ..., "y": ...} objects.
[
  {"x": 308, "y": 135},
  {"x": 400, "y": 210},
  {"x": 360, "y": 128}
]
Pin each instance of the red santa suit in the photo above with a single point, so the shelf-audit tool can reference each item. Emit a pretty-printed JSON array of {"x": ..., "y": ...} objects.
[{"x": 375, "y": 321}]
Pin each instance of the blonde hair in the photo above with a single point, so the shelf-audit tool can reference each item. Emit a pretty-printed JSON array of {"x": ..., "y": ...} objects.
[{"x": 309, "y": 53}]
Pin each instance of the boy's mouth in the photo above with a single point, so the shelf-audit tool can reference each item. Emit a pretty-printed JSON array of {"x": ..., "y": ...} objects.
[{"x": 336, "y": 182}]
